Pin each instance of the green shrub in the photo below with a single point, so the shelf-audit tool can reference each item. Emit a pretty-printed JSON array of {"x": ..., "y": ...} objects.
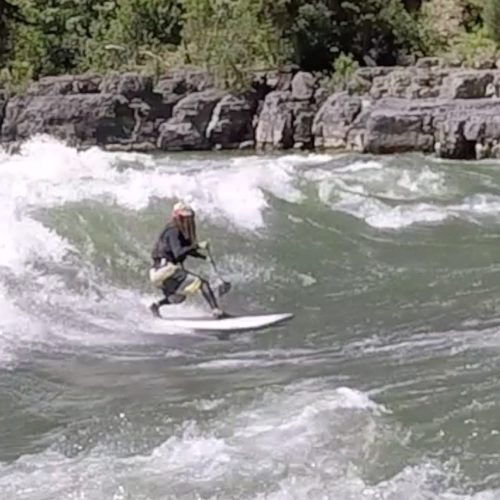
[
  {"x": 68, "y": 36},
  {"x": 491, "y": 16},
  {"x": 16, "y": 77},
  {"x": 473, "y": 50},
  {"x": 231, "y": 38}
]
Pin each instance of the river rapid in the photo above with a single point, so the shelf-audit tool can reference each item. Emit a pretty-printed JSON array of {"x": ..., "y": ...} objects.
[{"x": 384, "y": 385}]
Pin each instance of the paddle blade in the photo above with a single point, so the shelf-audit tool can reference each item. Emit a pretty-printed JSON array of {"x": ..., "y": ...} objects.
[{"x": 223, "y": 288}]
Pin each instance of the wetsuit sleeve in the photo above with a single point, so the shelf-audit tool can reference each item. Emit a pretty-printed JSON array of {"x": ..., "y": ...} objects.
[
  {"x": 197, "y": 254},
  {"x": 178, "y": 251}
]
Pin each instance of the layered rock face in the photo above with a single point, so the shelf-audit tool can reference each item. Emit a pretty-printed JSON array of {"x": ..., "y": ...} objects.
[
  {"x": 451, "y": 112},
  {"x": 427, "y": 108},
  {"x": 130, "y": 112}
]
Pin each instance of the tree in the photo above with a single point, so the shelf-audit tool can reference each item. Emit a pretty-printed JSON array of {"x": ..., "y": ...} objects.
[
  {"x": 232, "y": 37},
  {"x": 9, "y": 14},
  {"x": 136, "y": 26},
  {"x": 76, "y": 35},
  {"x": 491, "y": 17},
  {"x": 374, "y": 31}
]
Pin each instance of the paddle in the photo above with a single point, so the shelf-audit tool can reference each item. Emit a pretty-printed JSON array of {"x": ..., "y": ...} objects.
[{"x": 225, "y": 286}]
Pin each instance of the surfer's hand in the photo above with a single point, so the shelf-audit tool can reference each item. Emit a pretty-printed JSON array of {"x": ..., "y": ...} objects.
[{"x": 203, "y": 245}]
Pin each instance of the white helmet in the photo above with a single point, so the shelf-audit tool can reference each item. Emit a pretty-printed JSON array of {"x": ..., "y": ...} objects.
[
  {"x": 183, "y": 216},
  {"x": 182, "y": 209}
]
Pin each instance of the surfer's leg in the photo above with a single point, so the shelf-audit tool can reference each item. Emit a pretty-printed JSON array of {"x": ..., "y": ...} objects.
[
  {"x": 169, "y": 288},
  {"x": 168, "y": 300},
  {"x": 155, "y": 306},
  {"x": 194, "y": 283},
  {"x": 209, "y": 296}
]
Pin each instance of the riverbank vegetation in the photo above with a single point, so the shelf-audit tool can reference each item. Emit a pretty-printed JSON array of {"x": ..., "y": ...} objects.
[{"x": 232, "y": 37}]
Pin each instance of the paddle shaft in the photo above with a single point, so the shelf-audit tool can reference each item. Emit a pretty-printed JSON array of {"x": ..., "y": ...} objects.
[
  {"x": 225, "y": 285},
  {"x": 212, "y": 263}
]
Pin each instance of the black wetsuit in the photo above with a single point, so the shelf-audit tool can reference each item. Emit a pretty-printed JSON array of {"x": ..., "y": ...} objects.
[{"x": 175, "y": 248}]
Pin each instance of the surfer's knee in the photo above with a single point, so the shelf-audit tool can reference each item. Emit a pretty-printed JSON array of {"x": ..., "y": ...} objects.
[
  {"x": 208, "y": 294},
  {"x": 176, "y": 298},
  {"x": 204, "y": 285},
  {"x": 206, "y": 289}
]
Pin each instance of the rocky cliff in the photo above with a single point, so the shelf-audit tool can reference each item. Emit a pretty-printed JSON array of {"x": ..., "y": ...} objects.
[{"x": 452, "y": 112}]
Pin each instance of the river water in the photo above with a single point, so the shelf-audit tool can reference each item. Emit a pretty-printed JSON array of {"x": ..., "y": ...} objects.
[{"x": 384, "y": 385}]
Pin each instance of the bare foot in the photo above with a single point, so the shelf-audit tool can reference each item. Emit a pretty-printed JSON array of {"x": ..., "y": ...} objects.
[
  {"x": 155, "y": 310},
  {"x": 218, "y": 313}
]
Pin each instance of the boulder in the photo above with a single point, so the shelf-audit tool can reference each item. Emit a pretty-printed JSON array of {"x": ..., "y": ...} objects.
[
  {"x": 198, "y": 107},
  {"x": 395, "y": 127},
  {"x": 182, "y": 81},
  {"x": 370, "y": 73},
  {"x": 303, "y": 118},
  {"x": 85, "y": 119},
  {"x": 67, "y": 84},
  {"x": 453, "y": 128},
  {"x": 231, "y": 122},
  {"x": 320, "y": 96},
  {"x": 426, "y": 83},
  {"x": 178, "y": 136},
  {"x": 468, "y": 129},
  {"x": 303, "y": 86},
  {"x": 334, "y": 119},
  {"x": 149, "y": 108},
  {"x": 267, "y": 81},
  {"x": 190, "y": 119},
  {"x": 275, "y": 122},
  {"x": 129, "y": 85},
  {"x": 467, "y": 84},
  {"x": 356, "y": 133},
  {"x": 410, "y": 83},
  {"x": 451, "y": 141},
  {"x": 397, "y": 83}
]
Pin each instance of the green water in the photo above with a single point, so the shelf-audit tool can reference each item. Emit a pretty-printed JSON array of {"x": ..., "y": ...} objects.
[{"x": 384, "y": 386}]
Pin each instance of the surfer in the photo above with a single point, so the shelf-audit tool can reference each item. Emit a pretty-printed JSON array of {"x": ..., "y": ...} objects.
[{"x": 176, "y": 242}]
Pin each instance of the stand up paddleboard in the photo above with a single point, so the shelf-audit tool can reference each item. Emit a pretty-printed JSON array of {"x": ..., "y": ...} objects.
[{"x": 228, "y": 324}]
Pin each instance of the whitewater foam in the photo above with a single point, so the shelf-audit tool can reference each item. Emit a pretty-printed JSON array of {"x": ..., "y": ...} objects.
[
  {"x": 47, "y": 173},
  {"x": 393, "y": 197},
  {"x": 233, "y": 193},
  {"x": 12, "y": 320},
  {"x": 260, "y": 441},
  {"x": 306, "y": 441}
]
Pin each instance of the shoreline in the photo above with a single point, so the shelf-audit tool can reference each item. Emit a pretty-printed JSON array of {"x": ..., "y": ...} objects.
[{"x": 448, "y": 112}]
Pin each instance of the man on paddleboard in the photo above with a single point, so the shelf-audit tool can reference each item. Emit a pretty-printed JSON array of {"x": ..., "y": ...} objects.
[{"x": 176, "y": 242}]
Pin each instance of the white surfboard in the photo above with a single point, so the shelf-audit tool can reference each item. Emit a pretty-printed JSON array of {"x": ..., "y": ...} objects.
[{"x": 232, "y": 323}]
